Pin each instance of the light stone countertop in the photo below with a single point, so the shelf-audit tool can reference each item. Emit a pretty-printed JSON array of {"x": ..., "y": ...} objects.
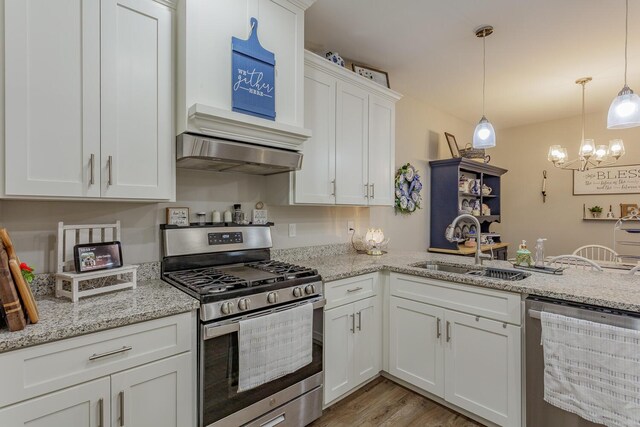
[
  {"x": 60, "y": 318},
  {"x": 607, "y": 289}
]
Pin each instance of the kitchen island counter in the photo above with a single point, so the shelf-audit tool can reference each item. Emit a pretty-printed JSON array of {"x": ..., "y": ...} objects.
[{"x": 612, "y": 290}]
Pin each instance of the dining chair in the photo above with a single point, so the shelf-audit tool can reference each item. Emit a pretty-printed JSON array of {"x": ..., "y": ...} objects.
[
  {"x": 597, "y": 253},
  {"x": 635, "y": 270},
  {"x": 574, "y": 261}
]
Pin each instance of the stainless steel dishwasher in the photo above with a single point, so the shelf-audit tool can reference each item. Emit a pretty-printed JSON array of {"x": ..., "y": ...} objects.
[{"x": 539, "y": 412}]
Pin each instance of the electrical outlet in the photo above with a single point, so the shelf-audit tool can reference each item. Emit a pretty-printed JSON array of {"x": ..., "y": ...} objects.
[
  {"x": 292, "y": 230},
  {"x": 351, "y": 225}
]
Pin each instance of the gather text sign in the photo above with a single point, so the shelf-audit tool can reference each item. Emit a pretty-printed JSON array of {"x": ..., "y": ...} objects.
[{"x": 609, "y": 180}]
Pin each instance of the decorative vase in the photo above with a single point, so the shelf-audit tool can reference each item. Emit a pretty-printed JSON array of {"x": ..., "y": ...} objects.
[
  {"x": 335, "y": 58},
  {"x": 596, "y": 214}
]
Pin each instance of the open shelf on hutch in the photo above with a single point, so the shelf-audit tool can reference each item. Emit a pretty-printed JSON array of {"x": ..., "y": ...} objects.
[{"x": 446, "y": 198}]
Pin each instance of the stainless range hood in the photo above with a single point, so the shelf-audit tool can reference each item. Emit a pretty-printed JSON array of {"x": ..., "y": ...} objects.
[{"x": 220, "y": 155}]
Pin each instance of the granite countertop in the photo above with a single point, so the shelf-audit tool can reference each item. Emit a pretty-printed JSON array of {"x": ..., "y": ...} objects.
[
  {"x": 60, "y": 318},
  {"x": 607, "y": 289}
]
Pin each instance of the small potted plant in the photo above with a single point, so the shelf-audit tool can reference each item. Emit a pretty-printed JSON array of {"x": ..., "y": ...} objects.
[{"x": 596, "y": 211}]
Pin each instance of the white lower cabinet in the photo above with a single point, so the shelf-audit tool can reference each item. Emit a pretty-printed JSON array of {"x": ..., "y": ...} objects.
[
  {"x": 352, "y": 342},
  {"x": 85, "y": 405},
  {"x": 121, "y": 381},
  {"x": 468, "y": 360},
  {"x": 416, "y": 329}
]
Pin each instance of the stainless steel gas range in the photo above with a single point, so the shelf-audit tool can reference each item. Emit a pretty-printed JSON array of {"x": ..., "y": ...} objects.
[{"x": 230, "y": 271}]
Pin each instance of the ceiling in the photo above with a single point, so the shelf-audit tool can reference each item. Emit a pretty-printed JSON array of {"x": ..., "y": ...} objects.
[{"x": 539, "y": 48}]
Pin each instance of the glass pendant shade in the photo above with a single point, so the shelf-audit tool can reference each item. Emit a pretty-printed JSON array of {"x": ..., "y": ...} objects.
[
  {"x": 484, "y": 136},
  {"x": 616, "y": 148},
  {"x": 624, "y": 111},
  {"x": 557, "y": 154},
  {"x": 601, "y": 153},
  {"x": 587, "y": 148}
]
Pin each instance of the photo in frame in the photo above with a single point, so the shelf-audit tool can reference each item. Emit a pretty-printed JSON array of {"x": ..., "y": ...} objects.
[
  {"x": 178, "y": 216},
  {"x": 378, "y": 76},
  {"x": 453, "y": 145},
  {"x": 97, "y": 256}
]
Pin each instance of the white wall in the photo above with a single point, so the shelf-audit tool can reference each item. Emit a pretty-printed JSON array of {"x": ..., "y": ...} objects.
[
  {"x": 419, "y": 138},
  {"x": 32, "y": 224},
  {"x": 523, "y": 150}
]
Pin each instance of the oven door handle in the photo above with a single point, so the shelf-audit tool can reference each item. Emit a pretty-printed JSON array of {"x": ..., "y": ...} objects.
[{"x": 213, "y": 331}]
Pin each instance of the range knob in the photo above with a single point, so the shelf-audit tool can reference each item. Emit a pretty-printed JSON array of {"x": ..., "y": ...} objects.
[
  {"x": 297, "y": 292},
  {"x": 226, "y": 307},
  {"x": 272, "y": 297},
  {"x": 244, "y": 304},
  {"x": 310, "y": 289}
]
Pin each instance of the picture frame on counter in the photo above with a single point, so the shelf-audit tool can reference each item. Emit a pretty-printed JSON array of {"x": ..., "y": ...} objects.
[
  {"x": 627, "y": 209},
  {"x": 453, "y": 145},
  {"x": 607, "y": 180},
  {"x": 178, "y": 216},
  {"x": 97, "y": 256},
  {"x": 378, "y": 76}
]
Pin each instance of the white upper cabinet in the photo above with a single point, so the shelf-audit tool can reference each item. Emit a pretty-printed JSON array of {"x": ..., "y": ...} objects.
[
  {"x": 204, "y": 73},
  {"x": 88, "y": 99},
  {"x": 350, "y": 158},
  {"x": 352, "y": 129},
  {"x": 137, "y": 99},
  {"x": 52, "y": 97},
  {"x": 315, "y": 183}
]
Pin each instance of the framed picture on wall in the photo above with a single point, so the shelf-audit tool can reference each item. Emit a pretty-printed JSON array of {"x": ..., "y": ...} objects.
[
  {"x": 378, "y": 76},
  {"x": 607, "y": 180},
  {"x": 453, "y": 145}
]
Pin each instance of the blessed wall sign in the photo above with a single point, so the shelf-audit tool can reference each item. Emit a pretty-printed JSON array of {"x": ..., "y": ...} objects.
[{"x": 609, "y": 180}]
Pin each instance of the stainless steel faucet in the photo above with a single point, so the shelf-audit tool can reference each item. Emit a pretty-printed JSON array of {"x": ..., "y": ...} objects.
[{"x": 449, "y": 234}]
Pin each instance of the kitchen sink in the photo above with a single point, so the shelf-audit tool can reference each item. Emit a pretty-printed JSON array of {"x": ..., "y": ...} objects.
[{"x": 491, "y": 272}]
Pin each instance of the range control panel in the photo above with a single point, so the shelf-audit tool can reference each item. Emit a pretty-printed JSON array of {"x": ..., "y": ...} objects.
[{"x": 225, "y": 238}]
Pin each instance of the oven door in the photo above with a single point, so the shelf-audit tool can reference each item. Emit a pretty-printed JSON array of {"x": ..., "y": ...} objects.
[{"x": 220, "y": 402}]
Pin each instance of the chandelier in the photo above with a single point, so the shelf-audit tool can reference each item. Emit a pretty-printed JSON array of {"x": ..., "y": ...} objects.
[{"x": 590, "y": 155}]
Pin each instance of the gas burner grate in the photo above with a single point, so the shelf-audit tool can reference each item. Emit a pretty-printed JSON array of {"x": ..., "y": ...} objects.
[
  {"x": 208, "y": 280},
  {"x": 288, "y": 271}
]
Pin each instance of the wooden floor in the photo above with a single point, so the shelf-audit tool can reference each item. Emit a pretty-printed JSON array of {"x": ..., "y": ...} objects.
[{"x": 384, "y": 403}]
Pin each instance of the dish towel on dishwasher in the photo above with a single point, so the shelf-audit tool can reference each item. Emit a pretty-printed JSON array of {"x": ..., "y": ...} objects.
[
  {"x": 592, "y": 369},
  {"x": 274, "y": 345}
]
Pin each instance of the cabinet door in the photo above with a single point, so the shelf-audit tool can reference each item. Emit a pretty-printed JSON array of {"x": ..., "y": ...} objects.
[
  {"x": 315, "y": 183},
  {"x": 52, "y": 97},
  {"x": 416, "y": 354},
  {"x": 338, "y": 351},
  {"x": 367, "y": 345},
  {"x": 158, "y": 394},
  {"x": 352, "y": 145},
  {"x": 482, "y": 367},
  {"x": 137, "y": 99},
  {"x": 382, "y": 151},
  {"x": 80, "y": 406}
]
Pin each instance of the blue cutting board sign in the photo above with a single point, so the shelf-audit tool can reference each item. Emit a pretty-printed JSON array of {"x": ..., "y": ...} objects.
[{"x": 253, "y": 76}]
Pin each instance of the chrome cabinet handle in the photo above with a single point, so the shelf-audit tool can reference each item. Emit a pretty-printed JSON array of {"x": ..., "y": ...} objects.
[
  {"x": 92, "y": 165},
  {"x": 110, "y": 353},
  {"x": 333, "y": 186},
  {"x": 359, "y": 288},
  {"x": 373, "y": 191},
  {"x": 101, "y": 412},
  {"x": 121, "y": 398},
  {"x": 360, "y": 320},
  {"x": 438, "y": 332},
  {"x": 353, "y": 323},
  {"x": 448, "y": 331},
  {"x": 110, "y": 167},
  {"x": 366, "y": 191}
]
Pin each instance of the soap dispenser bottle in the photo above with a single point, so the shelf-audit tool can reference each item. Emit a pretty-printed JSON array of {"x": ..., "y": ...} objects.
[{"x": 540, "y": 253}]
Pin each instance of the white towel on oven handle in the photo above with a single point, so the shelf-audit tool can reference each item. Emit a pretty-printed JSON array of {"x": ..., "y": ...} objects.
[
  {"x": 592, "y": 369},
  {"x": 274, "y": 345}
]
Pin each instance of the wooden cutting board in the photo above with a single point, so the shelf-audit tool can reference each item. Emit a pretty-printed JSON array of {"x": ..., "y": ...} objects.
[
  {"x": 22, "y": 286},
  {"x": 9, "y": 296}
]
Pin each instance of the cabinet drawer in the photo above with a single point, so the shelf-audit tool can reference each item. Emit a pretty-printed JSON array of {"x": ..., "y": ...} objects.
[
  {"x": 48, "y": 367},
  {"x": 349, "y": 290},
  {"x": 489, "y": 303}
]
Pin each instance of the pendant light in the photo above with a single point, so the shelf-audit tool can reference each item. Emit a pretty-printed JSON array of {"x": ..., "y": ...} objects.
[
  {"x": 624, "y": 111},
  {"x": 484, "y": 136}
]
